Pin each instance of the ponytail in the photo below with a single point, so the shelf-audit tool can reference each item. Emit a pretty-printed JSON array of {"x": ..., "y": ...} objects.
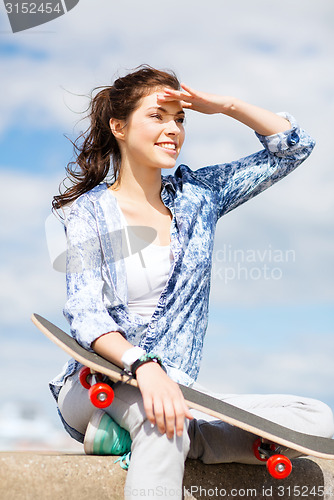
[{"x": 93, "y": 154}]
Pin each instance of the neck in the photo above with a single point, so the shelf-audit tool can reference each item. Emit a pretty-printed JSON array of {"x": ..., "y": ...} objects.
[{"x": 139, "y": 185}]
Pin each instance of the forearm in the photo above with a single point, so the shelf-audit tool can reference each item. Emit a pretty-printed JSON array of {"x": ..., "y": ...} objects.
[
  {"x": 112, "y": 346},
  {"x": 262, "y": 121}
]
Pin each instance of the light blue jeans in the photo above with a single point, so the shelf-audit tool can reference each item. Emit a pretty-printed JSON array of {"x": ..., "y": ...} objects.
[{"x": 157, "y": 463}]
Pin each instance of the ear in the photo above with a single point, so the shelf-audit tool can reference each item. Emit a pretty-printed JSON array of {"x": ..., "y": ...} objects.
[{"x": 117, "y": 127}]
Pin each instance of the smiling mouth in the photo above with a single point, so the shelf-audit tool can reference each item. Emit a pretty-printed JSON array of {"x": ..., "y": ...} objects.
[{"x": 171, "y": 146}]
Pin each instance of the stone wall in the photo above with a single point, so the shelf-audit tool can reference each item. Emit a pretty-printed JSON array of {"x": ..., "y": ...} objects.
[{"x": 47, "y": 476}]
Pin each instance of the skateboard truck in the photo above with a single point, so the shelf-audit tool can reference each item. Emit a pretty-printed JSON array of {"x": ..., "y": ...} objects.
[
  {"x": 279, "y": 466},
  {"x": 100, "y": 394}
]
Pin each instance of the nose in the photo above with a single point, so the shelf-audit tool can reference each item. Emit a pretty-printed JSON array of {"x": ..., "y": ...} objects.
[{"x": 172, "y": 127}]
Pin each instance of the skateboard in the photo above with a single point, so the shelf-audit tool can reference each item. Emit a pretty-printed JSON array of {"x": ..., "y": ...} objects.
[{"x": 272, "y": 440}]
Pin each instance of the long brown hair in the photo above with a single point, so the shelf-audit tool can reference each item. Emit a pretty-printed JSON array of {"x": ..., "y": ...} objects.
[{"x": 96, "y": 149}]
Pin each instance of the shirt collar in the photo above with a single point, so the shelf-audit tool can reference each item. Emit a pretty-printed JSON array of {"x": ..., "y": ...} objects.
[{"x": 167, "y": 183}]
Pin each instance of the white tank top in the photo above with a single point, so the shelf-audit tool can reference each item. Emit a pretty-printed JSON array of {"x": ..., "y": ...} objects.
[{"x": 147, "y": 272}]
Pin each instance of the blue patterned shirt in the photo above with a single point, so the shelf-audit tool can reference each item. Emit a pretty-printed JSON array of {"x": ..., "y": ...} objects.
[{"x": 96, "y": 276}]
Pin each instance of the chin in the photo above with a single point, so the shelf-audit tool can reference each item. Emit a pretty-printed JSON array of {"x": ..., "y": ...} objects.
[{"x": 168, "y": 167}]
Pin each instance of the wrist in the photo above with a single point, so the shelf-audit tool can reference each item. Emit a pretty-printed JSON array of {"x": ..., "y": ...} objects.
[
  {"x": 144, "y": 360},
  {"x": 230, "y": 105},
  {"x": 150, "y": 368},
  {"x": 130, "y": 357}
]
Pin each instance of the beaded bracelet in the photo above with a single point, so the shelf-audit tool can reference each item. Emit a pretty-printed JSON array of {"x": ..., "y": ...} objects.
[{"x": 146, "y": 358}]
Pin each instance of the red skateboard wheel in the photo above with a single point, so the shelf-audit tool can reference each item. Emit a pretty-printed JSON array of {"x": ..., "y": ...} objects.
[
  {"x": 84, "y": 377},
  {"x": 256, "y": 445},
  {"x": 279, "y": 466},
  {"x": 101, "y": 395}
]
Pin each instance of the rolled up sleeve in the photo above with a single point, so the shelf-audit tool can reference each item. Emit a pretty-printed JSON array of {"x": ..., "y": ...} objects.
[{"x": 236, "y": 182}]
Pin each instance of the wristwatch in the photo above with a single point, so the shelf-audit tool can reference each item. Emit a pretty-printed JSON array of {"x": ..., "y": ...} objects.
[{"x": 130, "y": 356}]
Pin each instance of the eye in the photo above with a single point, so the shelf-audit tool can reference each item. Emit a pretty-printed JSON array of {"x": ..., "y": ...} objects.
[
  {"x": 157, "y": 116},
  {"x": 181, "y": 119}
]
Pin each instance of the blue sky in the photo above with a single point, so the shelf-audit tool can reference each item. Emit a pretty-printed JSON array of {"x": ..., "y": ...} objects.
[{"x": 280, "y": 58}]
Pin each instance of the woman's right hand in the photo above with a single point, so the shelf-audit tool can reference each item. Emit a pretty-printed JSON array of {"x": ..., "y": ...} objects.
[
  {"x": 163, "y": 400},
  {"x": 264, "y": 122}
]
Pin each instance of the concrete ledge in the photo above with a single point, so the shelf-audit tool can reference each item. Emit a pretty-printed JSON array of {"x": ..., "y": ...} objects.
[
  {"x": 310, "y": 478},
  {"x": 47, "y": 476}
]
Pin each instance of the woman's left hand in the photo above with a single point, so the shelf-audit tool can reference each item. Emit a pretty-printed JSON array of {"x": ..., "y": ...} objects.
[{"x": 195, "y": 99}]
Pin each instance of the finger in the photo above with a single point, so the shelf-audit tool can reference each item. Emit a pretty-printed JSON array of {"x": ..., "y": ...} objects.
[
  {"x": 184, "y": 104},
  {"x": 179, "y": 418},
  {"x": 172, "y": 94},
  {"x": 175, "y": 92},
  {"x": 187, "y": 105},
  {"x": 174, "y": 418},
  {"x": 159, "y": 415},
  {"x": 148, "y": 406},
  {"x": 188, "y": 89},
  {"x": 188, "y": 414},
  {"x": 168, "y": 98},
  {"x": 181, "y": 413}
]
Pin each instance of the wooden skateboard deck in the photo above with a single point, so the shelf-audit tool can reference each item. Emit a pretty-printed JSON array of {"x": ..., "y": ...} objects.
[{"x": 304, "y": 443}]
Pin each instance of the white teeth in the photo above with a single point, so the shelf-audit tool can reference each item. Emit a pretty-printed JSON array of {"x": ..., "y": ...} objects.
[{"x": 167, "y": 145}]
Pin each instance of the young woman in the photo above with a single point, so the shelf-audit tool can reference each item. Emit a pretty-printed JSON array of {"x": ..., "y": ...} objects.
[{"x": 145, "y": 309}]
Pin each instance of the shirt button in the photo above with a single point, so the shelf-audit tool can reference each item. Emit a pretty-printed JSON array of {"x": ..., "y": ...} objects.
[{"x": 293, "y": 138}]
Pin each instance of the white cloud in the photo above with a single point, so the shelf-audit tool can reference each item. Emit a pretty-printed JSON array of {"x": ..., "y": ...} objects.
[
  {"x": 294, "y": 216},
  {"x": 276, "y": 362},
  {"x": 223, "y": 50},
  {"x": 28, "y": 282}
]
